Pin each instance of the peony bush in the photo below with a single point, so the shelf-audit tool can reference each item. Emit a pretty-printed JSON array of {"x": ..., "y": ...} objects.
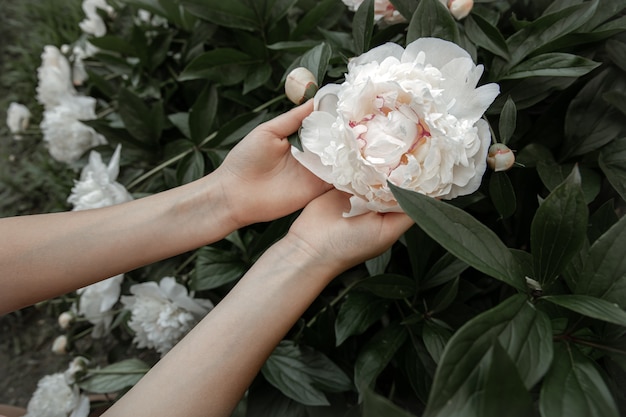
[{"x": 496, "y": 125}]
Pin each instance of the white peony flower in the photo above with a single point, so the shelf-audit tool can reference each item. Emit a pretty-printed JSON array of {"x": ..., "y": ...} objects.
[
  {"x": 96, "y": 301},
  {"x": 59, "y": 345},
  {"x": 55, "y": 78},
  {"x": 410, "y": 117},
  {"x": 161, "y": 314},
  {"x": 384, "y": 11},
  {"x": 66, "y": 136},
  {"x": 55, "y": 397},
  {"x": 93, "y": 23},
  {"x": 79, "y": 53},
  {"x": 97, "y": 186},
  {"x": 18, "y": 117}
]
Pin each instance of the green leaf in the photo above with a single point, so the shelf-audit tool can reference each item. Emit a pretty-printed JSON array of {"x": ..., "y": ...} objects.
[
  {"x": 462, "y": 235},
  {"x": 546, "y": 29},
  {"x": 558, "y": 229},
  {"x": 286, "y": 370},
  {"x": 392, "y": 286},
  {"x": 612, "y": 161},
  {"x": 445, "y": 296},
  {"x": 590, "y": 121},
  {"x": 553, "y": 174},
  {"x": 508, "y": 120},
  {"x": 181, "y": 121},
  {"x": 376, "y": 354},
  {"x": 202, "y": 114},
  {"x": 447, "y": 268},
  {"x": 224, "y": 65},
  {"x": 574, "y": 388},
  {"x": 138, "y": 117},
  {"x": 363, "y": 26},
  {"x": 216, "y": 267},
  {"x": 378, "y": 264},
  {"x": 617, "y": 99},
  {"x": 315, "y": 60},
  {"x": 555, "y": 64},
  {"x": 405, "y": 7},
  {"x": 190, "y": 168},
  {"x": 486, "y": 36},
  {"x": 593, "y": 307},
  {"x": 375, "y": 405},
  {"x": 233, "y": 13},
  {"x": 432, "y": 19},
  {"x": 502, "y": 194},
  {"x": 312, "y": 19},
  {"x": 256, "y": 77},
  {"x": 112, "y": 43},
  {"x": 237, "y": 128},
  {"x": 617, "y": 52},
  {"x": 435, "y": 339},
  {"x": 115, "y": 377},
  {"x": 523, "y": 331},
  {"x": 357, "y": 313},
  {"x": 604, "y": 273}
]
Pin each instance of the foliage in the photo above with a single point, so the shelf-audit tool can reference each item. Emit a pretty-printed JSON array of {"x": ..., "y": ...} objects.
[{"x": 506, "y": 302}]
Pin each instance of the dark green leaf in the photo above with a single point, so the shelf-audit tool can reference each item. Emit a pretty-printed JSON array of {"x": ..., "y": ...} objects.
[
  {"x": 138, "y": 117},
  {"x": 486, "y": 36},
  {"x": 181, "y": 121},
  {"x": 546, "y": 29},
  {"x": 523, "y": 331},
  {"x": 612, "y": 161},
  {"x": 363, "y": 26},
  {"x": 574, "y": 388},
  {"x": 555, "y": 64},
  {"x": 435, "y": 339},
  {"x": 447, "y": 268},
  {"x": 616, "y": 99},
  {"x": 432, "y": 19},
  {"x": 225, "y": 65},
  {"x": 502, "y": 194},
  {"x": 558, "y": 229},
  {"x": 376, "y": 406},
  {"x": 462, "y": 235},
  {"x": 390, "y": 286},
  {"x": 590, "y": 306},
  {"x": 602, "y": 220},
  {"x": 591, "y": 122},
  {"x": 405, "y": 7},
  {"x": 617, "y": 52},
  {"x": 233, "y": 13},
  {"x": 315, "y": 16},
  {"x": 445, "y": 296},
  {"x": 508, "y": 120},
  {"x": 256, "y": 77},
  {"x": 237, "y": 128},
  {"x": 552, "y": 175},
  {"x": 112, "y": 43},
  {"x": 357, "y": 313},
  {"x": 114, "y": 377},
  {"x": 285, "y": 370},
  {"x": 216, "y": 267},
  {"x": 316, "y": 60},
  {"x": 376, "y": 354},
  {"x": 265, "y": 400},
  {"x": 378, "y": 264},
  {"x": 604, "y": 273},
  {"x": 190, "y": 168},
  {"x": 202, "y": 114}
]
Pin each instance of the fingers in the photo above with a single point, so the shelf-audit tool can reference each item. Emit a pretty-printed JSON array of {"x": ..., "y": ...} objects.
[{"x": 287, "y": 123}]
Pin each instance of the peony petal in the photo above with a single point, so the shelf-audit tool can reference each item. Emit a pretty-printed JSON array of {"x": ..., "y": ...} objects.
[
  {"x": 438, "y": 52},
  {"x": 378, "y": 54},
  {"x": 325, "y": 99}
]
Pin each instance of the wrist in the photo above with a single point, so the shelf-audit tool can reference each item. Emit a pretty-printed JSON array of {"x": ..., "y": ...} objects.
[{"x": 313, "y": 258}]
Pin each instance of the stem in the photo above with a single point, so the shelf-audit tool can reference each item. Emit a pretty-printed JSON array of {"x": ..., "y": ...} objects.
[
  {"x": 333, "y": 302},
  {"x": 589, "y": 343},
  {"x": 269, "y": 103}
]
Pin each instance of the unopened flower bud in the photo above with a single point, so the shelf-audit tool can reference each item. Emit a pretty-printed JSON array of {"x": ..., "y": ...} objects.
[
  {"x": 459, "y": 8},
  {"x": 300, "y": 85},
  {"x": 18, "y": 118},
  {"x": 65, "y": 319},
  {"x": 77, "y": 367},
  {"x": 500, "y": 157},
  {"x": 59, "y": 346}
]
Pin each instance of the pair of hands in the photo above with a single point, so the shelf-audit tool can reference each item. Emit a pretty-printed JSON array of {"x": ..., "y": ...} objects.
[{"x": 264, "y": 182}]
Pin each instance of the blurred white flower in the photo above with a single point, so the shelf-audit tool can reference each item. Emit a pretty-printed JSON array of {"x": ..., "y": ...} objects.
[
  {"x": 384, "y": 11},
  {"x": 66, "y": 136},
  {"x": 96, "y": 301},
  {"x": 77, "y": 366},
  {"x": 55, "y": 78},
  {"x": 97, "y": 186},
  {"x": 458, "y": 8},
  {"x": 161, "y": 314},
  {"x": 55, "y": 397},
  {"x": 80, "y": 52},
  {"x": 411, "y": 117},
  {"x": 65, "y": 319},
  {"x": 144, "y": 16},
  {"x": 18, "y": 117},
  {"x": 93, "y": 23},
  {"x": 59, "y": 345}
]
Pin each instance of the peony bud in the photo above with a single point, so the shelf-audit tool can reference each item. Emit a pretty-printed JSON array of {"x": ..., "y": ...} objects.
[
  {"x": 500, "y": 157},
  {"x": 59, "y": 346},
  {"x": 459, "y": 8},
  {"x": 300, "y": 85},
  {"x": 18, "y": 118},
  {"x": 65, "y": 319}
]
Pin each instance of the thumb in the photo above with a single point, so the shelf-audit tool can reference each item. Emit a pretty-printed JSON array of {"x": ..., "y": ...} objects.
[{"x": 287, "y": 123}]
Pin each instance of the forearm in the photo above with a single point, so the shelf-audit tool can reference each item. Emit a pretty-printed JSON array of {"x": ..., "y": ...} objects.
[
  {"x": 47, "y": 255},
  {"x": 214, "y": 364}
]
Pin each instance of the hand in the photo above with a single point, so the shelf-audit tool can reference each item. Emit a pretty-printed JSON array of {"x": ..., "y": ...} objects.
[
  {"x": 260, "y": 177},
  {"x": 341, "y": 241}
]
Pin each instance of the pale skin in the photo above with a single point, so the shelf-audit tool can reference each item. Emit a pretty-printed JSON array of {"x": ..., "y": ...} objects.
[{"x": 47, "y": 255}]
